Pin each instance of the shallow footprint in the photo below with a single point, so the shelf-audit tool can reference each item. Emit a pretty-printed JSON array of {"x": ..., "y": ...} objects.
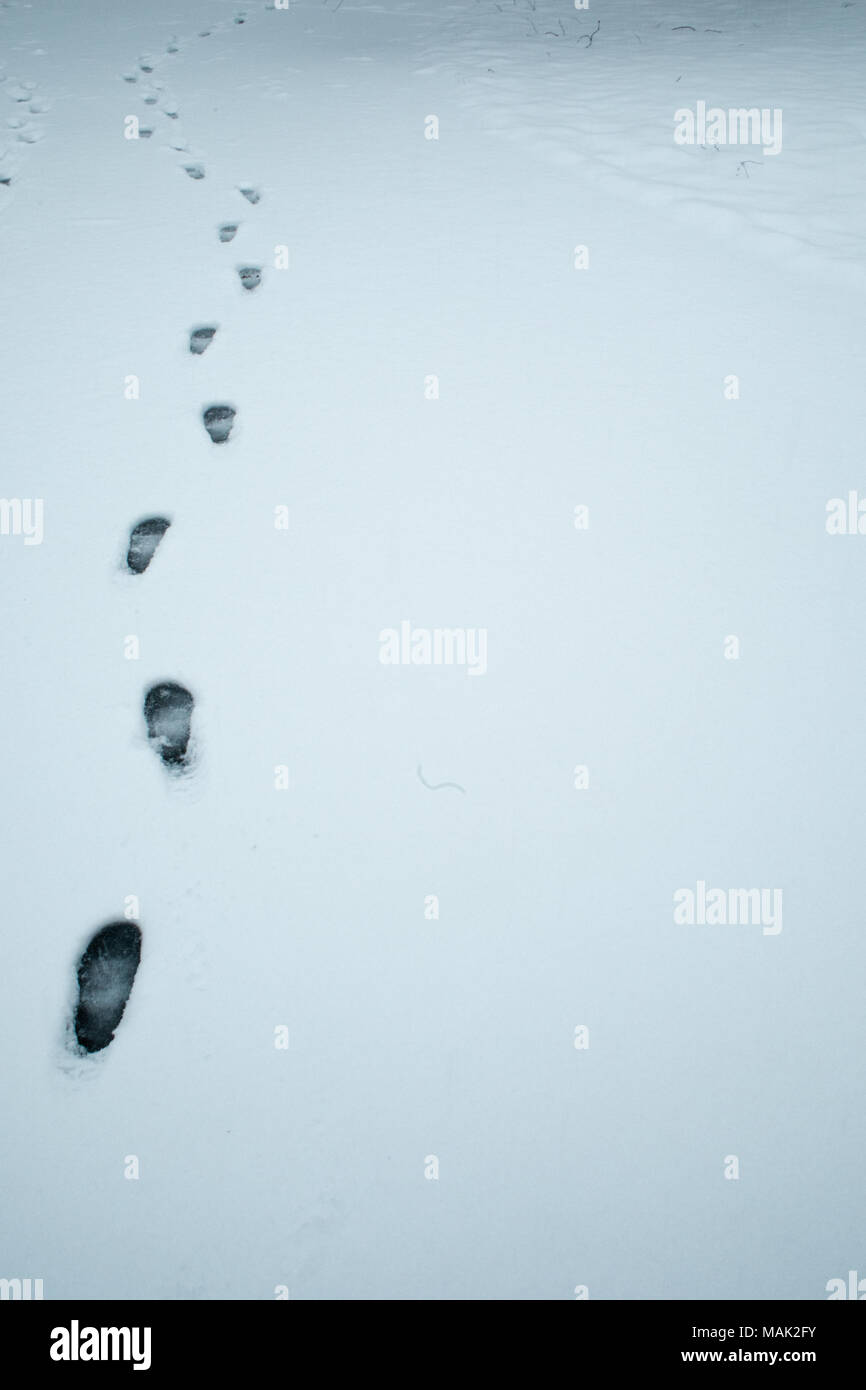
[
  {"x": 143, "y": 541},
  {"x": 105, "y": 976},
  {"x": 200, "y": 340},
  {"x": 195, "y": 171},
  {"x": 168, "y": 715},
  {"x": 250, "y": 275},
  {"x": 252, "y": 195},
  {"x": 218, "y": 421},
  {"x": 227, "y": 231}
]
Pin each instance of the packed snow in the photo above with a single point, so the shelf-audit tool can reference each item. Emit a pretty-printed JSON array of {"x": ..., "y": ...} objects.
[{"x": 499, "y": 354}]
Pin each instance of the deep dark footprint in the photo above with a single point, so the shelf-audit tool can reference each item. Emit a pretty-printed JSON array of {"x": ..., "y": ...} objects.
[
  {"x": 251, "y": 276},
  {"x": 218, "y": 421},
  {"x": 252, "y": 195},
  {"x": 105, "y": 975},
  {"x": 200, "y": 340},
  {"x": 143, "y": 541},
  {"x": 168, "y": 714},
  {"x": 227, "y": 231},
  {"x": 145, "y": 132},
  {"x": 195, "y": 171}
]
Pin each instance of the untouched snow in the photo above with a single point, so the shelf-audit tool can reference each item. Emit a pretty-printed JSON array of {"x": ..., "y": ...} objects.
[{"x": 304, "y": 907}]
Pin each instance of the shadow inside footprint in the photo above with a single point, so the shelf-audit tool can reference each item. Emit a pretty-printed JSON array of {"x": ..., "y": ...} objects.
[
  {"x": 195, "y": 171},
  {"x": 227, "y": 231},
  {"x": 218, "y": 421},
  {"x": 168, "y": 715},
  {"x": 252, "y": 195},
  {"x": 250, "y": 275},
  {"x": 105, "y": 976},
  {"x": 200, "y": 340},
  {"x": 143, "y": 541}
]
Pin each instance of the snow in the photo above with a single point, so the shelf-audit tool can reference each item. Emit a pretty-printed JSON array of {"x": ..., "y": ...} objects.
[{"x": 304, "y": 908}]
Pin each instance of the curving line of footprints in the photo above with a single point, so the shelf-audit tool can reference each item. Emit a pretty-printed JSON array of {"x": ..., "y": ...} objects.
[
  {"x": 108, "y": 966},
  {"x": 21, "y": 130}
]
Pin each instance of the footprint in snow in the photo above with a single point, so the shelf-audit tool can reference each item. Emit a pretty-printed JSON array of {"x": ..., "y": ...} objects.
[
  {"x": 168, "y": 711},
  {"x": 106, "y": 973},
  {"x": 250, "y": 276},
  {"x": 200, "y": 340},
  {"x": 195, "y": 171},
  {"x": 252, "y": 195},
  {"x": 144, "y": 538},
  {"x": 218, "y": 421},
  {"x": 227, "y": 231}
]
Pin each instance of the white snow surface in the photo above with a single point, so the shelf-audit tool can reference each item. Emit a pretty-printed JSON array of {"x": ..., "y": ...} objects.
[{"x": 408, "y": 1037}]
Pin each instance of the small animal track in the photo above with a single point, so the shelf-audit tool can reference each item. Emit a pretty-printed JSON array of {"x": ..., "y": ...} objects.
[
  {"x": 252, "y": 195},
  {"x": 105, "y": 977},
  {"x": 200, "y": 340},
  {"x": 250, "y": 276},
  {"x": 144, "y": 538},
  {"x": 195, "y": 171},
  {"x": 227, "y": 231},
  {"x": 168, "y": 711},
  {"x": 218, "y": 421}
]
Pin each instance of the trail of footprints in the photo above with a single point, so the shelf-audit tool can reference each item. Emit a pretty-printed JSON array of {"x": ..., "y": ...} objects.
[
  {"x": 108, "y": 965},
  {"x": 20, "y": 129}
]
